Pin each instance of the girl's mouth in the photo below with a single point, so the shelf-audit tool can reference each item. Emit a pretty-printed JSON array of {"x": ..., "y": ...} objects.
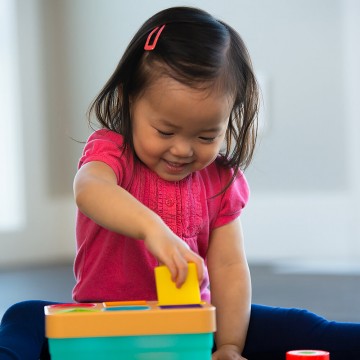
[{"x": 175, "y": 167}]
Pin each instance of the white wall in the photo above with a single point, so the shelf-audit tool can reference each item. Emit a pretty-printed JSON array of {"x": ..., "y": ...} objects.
[
  {"x": 307, "y": 175},
  {"x": 304, "y": 179},
  {"x": 47, "y": 234}
]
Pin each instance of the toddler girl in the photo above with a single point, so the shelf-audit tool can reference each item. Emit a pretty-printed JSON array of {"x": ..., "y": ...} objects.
[{"x": 161, "y": 181}]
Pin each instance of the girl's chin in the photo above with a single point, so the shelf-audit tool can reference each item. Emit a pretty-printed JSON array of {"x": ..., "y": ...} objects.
[{"x": 172, "y": 177}]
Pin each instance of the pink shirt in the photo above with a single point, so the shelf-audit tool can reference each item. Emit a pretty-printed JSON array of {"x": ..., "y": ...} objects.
[{"x": 109, "y": 266}]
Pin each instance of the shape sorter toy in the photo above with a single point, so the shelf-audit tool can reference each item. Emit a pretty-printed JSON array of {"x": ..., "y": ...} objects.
[{"x": 134, "y": 330}]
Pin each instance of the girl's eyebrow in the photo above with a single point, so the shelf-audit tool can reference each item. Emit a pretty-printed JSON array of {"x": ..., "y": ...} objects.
[
  {"x": 176, "y": 127},
  {"x": 215, "y": 129},
  {"x": 168, "y": 123}
]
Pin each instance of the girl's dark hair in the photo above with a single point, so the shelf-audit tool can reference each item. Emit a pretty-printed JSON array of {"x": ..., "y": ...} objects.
[{"x": 199, "y": 51}]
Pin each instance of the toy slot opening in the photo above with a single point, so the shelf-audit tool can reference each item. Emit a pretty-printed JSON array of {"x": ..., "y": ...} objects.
[
  {"x": 127, "y": 308},
  {"x": 181, "y": 306},
  {"x": 72, "y": 306}
]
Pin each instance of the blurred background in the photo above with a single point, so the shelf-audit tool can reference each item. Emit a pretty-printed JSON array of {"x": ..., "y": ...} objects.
[{"x": 304, "y": 211}]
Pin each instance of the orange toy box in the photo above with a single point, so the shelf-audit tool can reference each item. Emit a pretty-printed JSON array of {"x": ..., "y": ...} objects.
[{"x": 134, "y": 330}]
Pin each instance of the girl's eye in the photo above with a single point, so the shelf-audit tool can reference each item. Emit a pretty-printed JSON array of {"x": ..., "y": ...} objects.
[
  {"x": 164, "y": 133},
  {"x": 207, "y": 139}
]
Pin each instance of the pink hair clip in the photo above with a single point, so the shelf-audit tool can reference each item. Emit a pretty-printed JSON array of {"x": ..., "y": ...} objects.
[{"x": 149, "y": 46}]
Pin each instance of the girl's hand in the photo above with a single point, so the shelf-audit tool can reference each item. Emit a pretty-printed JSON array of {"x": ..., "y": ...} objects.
[
  {"x": 227, "y": 352},
  {"x": 173, "y": 252}
]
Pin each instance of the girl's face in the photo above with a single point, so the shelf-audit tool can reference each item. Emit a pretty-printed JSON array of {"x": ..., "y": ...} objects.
[{"x": 178, "y": 130}]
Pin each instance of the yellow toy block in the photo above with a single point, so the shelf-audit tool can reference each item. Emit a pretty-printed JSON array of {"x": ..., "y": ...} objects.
[{"x": 169, "y": 294}]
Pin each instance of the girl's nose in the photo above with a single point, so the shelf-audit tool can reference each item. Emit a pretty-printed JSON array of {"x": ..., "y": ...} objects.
[{"x": 182, "y": 148}]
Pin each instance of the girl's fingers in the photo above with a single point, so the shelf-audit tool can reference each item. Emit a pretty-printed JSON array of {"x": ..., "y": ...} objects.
[
  {"x": 172, "y": 268},
  {"x": 178, "y": 264},
  {"x": 182, "y": 269},
  {"x": 199, "y": 262}
]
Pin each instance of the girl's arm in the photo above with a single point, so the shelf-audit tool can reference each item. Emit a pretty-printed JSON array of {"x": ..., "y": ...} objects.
[
  {"x": 98, "y": 196},
  {"x": 230, "y": 289}
]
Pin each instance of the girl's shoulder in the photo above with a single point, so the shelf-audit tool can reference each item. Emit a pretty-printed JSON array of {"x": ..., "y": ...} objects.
[
  {"x": 106, "y": 135},
  {"x": 225, "y": 202},
  {"x": 107, "y": 146},
  {"x": 219, "y": 176}
]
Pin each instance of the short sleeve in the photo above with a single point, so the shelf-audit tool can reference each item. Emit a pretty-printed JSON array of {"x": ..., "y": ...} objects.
[
  {"x": 106, "y": 146},
  {"x": 233, "y": 200}
]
